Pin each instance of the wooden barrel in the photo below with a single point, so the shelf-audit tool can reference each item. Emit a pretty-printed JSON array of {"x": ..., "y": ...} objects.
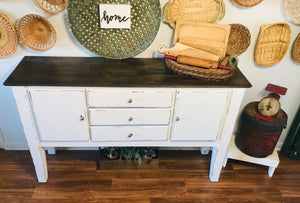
[{"x": 257, "y": 135}]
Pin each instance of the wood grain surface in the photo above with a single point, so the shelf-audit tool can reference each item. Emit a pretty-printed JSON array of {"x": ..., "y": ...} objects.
[
  {"x": 101, "y": 72},
  {"x": 182, "y": 176}
]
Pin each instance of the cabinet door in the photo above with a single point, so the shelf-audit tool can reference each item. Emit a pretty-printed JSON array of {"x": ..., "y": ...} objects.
[
  {"x": 60, "y": 114},
  {"x": 198, "y": 115}
]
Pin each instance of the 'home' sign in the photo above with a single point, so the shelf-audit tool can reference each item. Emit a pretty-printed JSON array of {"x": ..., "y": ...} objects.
[{"x": 115, "y": 16}]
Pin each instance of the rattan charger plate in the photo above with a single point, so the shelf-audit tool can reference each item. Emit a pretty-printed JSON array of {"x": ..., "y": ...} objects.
[
  {"x": 296, "y": 49},
  {"x": 247, "y": 3},
  {"x": 199, "y": 73},
  {"x": 84, "y": 22},
  {"x": 292, "y": 8},
  {"x": 8, "y": 37},
  {"x": 272, "y": 44},
  {"x": 239, "y": 39},
  {"x": 36, "y": 32},
  {"x": 205, "y": 11},
  {"x": 51, "y": 7}
]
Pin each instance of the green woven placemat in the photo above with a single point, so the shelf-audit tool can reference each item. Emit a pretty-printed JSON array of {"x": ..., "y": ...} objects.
[{"x": 115, "y": 43}]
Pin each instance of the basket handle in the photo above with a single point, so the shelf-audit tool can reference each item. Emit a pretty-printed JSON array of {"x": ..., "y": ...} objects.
[{"x": 162, "y": 49}]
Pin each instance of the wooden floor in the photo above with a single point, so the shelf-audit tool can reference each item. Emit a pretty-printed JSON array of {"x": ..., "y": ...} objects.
[{"x": 182, "y": 176}]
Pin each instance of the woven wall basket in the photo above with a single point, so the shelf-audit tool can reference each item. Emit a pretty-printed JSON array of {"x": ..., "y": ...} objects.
[
  {"x": 51, "y": 7},
  {"x": 247, "y": 3},
  {"x": 204, "y": 11},
  {"x": 199, "y": 73},
  {"x": 36, "y": 32},
  {"x": 8, "y": 37},
  {"x": 296, "y": 49},
  {"x": 272, "y": 43},
  {"x": 292, "y": 8},
  {"x": 239, "y": 39}
]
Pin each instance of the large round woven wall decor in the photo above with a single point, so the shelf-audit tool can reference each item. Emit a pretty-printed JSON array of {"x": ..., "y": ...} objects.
[
  {"x": 36, "y": 32},
  {"x": 8, "y": 37},
  {"x": 111, "y": 43}
]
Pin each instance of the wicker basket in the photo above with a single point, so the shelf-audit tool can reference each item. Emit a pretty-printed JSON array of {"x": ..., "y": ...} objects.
[
  {"x": 205, "y": 11},
  {"x": 51, "y": 7},
  {"x": 36, "y": 32},
  {"x": 239, "y": 39},
  {"x": 8, "y": 37},
  {"x": 272, "y": 43},
  {"x": 198, "y": 72},
  {"x": 296, "y": 49},
  {"x": 292, "y": 8},
  {"x": 247, "y": 3}
]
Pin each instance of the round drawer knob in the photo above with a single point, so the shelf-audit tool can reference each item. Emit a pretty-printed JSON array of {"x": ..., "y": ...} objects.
[
  {"x": 177, "y": 118},
  {"x": 81, "y": 117},
  {"x": 130, "y": 118},
  {"x": 130, "y": 135},
  {"x": 130, "y": 101}
]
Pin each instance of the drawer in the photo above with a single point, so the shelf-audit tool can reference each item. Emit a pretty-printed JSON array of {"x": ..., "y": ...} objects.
[
  {"x": 129, "y": 133},
  {"x": 129, "y": 116},
  {"x": 124, "y": 98}
]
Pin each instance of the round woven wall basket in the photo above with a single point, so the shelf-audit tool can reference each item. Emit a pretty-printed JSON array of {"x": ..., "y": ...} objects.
[
  {"x": 247, "y": 3},
  {"x": 8, "y": 37},
  {"x": 239, "y": 39},
  {"x": 205, "y": 11},
  {"x": 36, "y": 32},
  {"x": 51, "y": 7},
  {"x": 199, "y": 73},
  {"x": 296, "y": 49},
  {"x": 292, "y": 8}
]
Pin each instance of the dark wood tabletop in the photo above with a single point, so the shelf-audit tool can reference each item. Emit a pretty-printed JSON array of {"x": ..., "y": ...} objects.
[{"x": 102, "y": 72}]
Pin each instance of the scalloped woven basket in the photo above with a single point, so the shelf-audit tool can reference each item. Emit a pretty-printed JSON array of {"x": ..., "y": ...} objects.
[
  {"x": 292, "y": 8},
  {"x": 247, "y": 3},
  {"x": 198, "y": 72},
  {"x": 36, "y": 32},
  {"x": 296, "y": 49},
  {"x": 239, "y": 39},
  {"x": 204, "y": 11},
  {"x": 272, "y": 44},
  {"x": 51, "y": 7},
  {"x": 8, "y": 37}
]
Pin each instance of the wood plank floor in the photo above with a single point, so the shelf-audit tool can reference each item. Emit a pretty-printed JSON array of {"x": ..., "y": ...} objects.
[{"x": 182, "y": 176}]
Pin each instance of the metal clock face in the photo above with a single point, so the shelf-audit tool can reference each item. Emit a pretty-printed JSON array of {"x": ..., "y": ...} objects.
[{"x": 269, "y": 106}]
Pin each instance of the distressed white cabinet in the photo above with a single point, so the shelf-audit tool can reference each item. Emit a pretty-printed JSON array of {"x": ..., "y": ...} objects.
[
  {"x": 94, "y": 102},
  {"x": 60, "y": 115},
  {"x": 199, "y": 114}
]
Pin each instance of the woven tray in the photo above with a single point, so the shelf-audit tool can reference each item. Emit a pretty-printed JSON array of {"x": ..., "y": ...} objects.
[
  {"x": 8, "y": 37},
  {"x": 205, "y": 11},
  {"x": 272, "y": 43},
  {"x": 292, "y": 8},
  {"x": 83, "y": 19},
  {"x": 51, "y": 7},
  {"x": 239, "y": 39},
  {"x": 296, "y": 49},
  {"x": 36, "y": 32},
  {"x": 247, "y": 3},
  {"x": 199, "y": 73}
]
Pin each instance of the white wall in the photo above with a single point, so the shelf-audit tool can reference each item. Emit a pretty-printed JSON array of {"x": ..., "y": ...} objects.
[{"x": 286, "y": 73}]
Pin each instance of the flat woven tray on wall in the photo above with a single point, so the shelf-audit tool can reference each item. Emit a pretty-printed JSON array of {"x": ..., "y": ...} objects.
[
  {"x": 204, "y": 11},
  {"x": 115, "y": 43},
  {"x": 292, "y": 8},
  {"x": 247, "y": 3},
  {"x": 36, "y": 32},
  {"x": 200, "y": 73},
  {"x": 239, "y": 39},
  {"x": 51, "y": 7},
  {"x": 272, "y": 44},
  {"x": 8, "y": 37},
  {"x": 296, "y": 49}
]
